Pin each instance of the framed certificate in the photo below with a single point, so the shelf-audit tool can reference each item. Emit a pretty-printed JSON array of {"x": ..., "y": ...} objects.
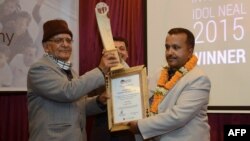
[{"x": 129, "y": 97}]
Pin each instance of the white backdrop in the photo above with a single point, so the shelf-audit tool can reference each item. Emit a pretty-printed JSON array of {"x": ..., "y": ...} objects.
[
  {"x": 49, "y": 9},
  {"x": 221, "y": 28}
]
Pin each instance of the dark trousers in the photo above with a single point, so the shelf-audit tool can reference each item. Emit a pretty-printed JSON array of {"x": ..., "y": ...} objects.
[{"x": 100, "y": 131}]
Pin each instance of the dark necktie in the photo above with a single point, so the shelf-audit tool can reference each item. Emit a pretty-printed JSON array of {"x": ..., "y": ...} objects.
[{"x": 69, "y": 74}]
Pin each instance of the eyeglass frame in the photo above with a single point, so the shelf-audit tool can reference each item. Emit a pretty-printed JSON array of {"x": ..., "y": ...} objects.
[{"x": 61, "y": 40}]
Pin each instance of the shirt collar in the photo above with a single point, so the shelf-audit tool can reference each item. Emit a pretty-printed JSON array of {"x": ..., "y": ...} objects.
[{"x": 61, "y": 64}]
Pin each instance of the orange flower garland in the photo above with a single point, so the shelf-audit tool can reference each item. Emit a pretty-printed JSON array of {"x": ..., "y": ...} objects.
[{"x": 163, "y": 85}]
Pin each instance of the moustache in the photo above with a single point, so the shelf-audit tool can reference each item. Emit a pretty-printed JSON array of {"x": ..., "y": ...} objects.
[
  {"x": 65, "y": 50},
  {"x": 171, "y": 57}
]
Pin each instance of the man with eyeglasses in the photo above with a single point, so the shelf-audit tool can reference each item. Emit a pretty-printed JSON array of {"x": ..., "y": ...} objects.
[{"x": 57, "y": 96}]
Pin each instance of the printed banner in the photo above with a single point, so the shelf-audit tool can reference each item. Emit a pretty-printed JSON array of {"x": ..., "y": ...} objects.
[
  {"x": 21, "y": 31},
  {"x": 221, "y": 29}
]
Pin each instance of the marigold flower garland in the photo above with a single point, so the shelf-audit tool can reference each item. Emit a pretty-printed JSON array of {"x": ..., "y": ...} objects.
[{"x": 163, "y": 85}]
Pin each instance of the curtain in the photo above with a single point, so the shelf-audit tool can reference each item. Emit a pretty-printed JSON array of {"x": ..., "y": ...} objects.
[
  {"x": 126, "y": 18},
  {"x": 13, "y": 116},
  {"x": 218, "y": 120}
]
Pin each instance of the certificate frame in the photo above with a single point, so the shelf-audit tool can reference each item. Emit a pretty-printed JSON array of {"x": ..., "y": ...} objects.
[{"x": 128, "y": 97}]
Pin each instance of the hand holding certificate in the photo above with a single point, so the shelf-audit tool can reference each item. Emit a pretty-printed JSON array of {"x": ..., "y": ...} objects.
[{"x": 129, "y": 97}]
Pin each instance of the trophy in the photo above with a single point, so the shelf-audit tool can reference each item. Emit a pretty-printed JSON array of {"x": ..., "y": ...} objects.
[{"x": 103, "y": 22}]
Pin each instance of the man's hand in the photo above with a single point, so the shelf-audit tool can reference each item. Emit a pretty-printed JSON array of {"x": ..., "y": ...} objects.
[
  {"x": 133, "y": 127},
  {"x": 108, "y": 60},
  {"x": 102, "y": 98}
]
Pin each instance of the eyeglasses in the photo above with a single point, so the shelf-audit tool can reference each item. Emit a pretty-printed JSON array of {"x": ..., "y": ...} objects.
[{"x": 61, "y": 40}]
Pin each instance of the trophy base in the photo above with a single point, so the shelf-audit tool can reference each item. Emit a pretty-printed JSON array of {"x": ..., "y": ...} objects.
[{"x": 118, "y": 67}]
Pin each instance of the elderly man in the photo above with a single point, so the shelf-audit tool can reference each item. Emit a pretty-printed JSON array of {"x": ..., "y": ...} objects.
[{"x": 57, "y": 96}]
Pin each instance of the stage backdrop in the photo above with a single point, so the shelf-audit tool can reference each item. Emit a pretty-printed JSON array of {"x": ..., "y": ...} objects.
[
  {"x": 21, "y": 31},
  {"x": 221, "y": 28}
]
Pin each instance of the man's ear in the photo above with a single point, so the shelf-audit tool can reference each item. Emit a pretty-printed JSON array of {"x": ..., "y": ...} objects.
[
  {"x": 191, "y": 50},
  {"x": 45, "y": 47}
]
